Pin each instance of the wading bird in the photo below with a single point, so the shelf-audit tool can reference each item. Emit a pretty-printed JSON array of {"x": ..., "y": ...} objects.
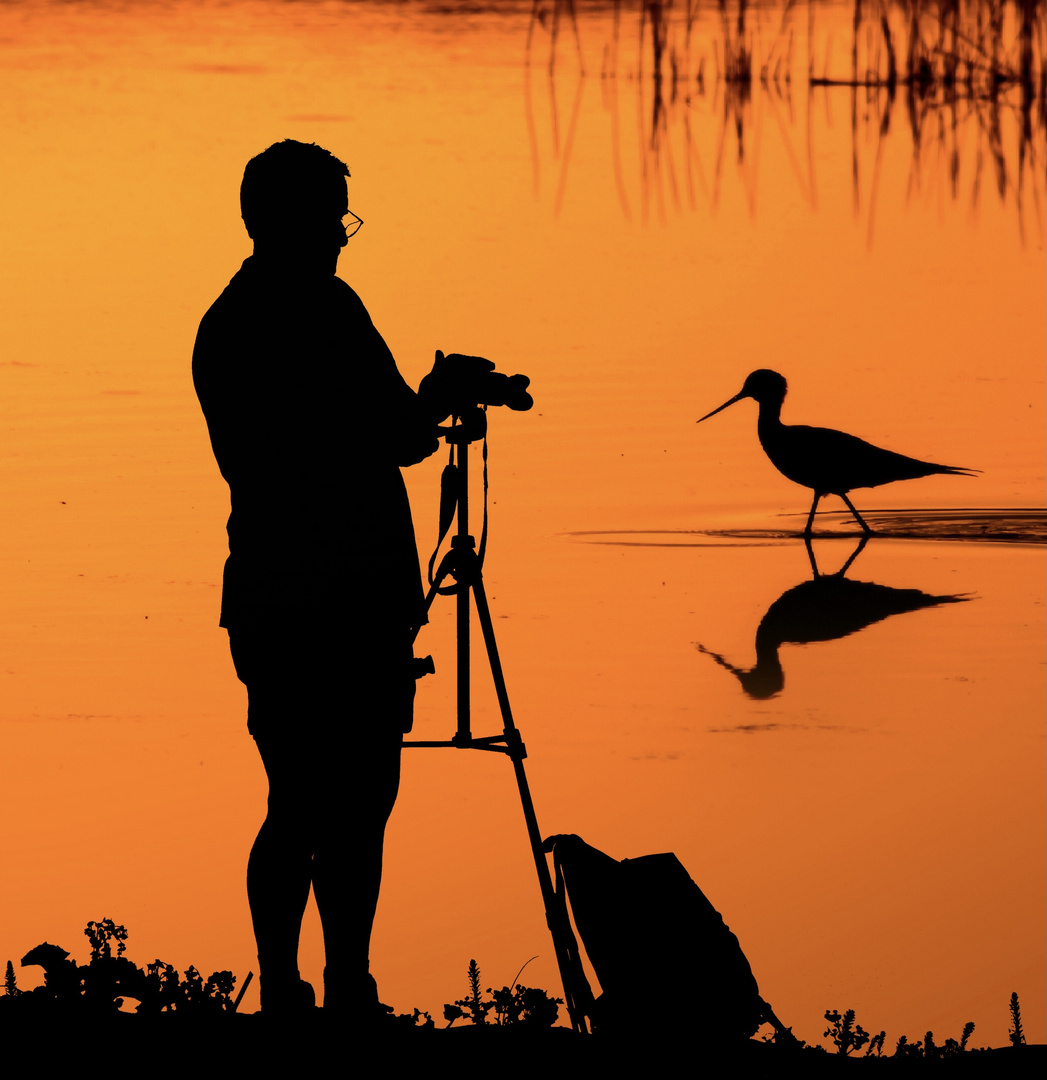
[{"x": 827, "y": 461}]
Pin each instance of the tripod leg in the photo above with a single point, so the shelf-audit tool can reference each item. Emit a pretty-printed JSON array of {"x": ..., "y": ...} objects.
[
  {"x": 487, "y": 626},
  {"x": 555, "y": 912}
]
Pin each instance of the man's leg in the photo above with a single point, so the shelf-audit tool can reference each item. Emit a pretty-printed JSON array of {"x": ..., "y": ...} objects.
[
  {"x": 347, "y": 866},
  {"x": 279, "y": 869},
  {"x": 279, "y": 872},
  {"x": 329, "y": 723},
  {"x": 354, "y": 802}
]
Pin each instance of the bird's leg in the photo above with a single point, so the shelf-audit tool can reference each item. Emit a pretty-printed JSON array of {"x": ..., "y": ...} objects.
[
  {"x": 850, "y": 506},
  {"x": 810, "y": 519}
]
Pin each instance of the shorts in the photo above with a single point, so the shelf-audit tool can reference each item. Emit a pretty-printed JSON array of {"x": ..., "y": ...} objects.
[{"x": 313, "y": 676}]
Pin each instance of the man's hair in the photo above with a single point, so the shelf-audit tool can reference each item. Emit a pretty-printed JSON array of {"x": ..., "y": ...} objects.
[{"x": 289, "y": 180}]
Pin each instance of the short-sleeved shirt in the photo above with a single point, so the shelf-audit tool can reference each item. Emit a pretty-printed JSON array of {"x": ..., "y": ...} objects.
[{"x": 310, "y": 421}]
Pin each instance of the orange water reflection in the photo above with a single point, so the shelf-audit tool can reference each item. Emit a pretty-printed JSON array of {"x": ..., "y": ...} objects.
[{"x": 874, "y": 833}]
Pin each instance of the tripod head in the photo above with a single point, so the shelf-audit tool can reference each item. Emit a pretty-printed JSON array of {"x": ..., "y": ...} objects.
[{"x": 468, "y": 426}]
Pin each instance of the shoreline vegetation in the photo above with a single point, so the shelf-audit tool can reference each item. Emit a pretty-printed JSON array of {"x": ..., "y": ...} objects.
[{"x": 79, "y": 1005}]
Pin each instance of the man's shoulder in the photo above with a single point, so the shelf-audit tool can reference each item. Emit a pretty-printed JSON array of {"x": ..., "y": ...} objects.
[
  {"x": 223, "y": 325},
  {"x": 251, "y": 287},
  {"x": 256, "y": 310},
  {"x": 234, "y": 295}
]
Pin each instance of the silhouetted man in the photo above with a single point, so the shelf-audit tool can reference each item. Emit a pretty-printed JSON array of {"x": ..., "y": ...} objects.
[{"x": 310, "y": 422}]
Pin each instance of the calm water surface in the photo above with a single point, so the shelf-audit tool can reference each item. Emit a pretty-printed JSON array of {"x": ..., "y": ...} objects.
[{"x": 869, "y": 817}]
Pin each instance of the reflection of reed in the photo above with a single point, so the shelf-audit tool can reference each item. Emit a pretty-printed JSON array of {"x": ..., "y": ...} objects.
[
  {"x": 959, "y": 66},
  {"x": 547, "y": 14},
  {"x": 541, "y": 15},
  {"x": 956, "y": 68}
]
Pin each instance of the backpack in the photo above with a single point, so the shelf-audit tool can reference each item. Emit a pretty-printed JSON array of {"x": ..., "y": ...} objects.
[{"x": 657, "y": 945}]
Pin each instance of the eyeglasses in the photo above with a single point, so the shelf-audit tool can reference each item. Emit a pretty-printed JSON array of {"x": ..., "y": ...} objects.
[{"x": 352, "y": 226}]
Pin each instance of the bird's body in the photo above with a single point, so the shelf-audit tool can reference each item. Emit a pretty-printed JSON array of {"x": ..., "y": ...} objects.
[{"x": 828, "y": 462}]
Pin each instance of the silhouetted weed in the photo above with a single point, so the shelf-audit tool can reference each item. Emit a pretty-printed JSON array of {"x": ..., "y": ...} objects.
[
  {"x": 104, "y": 982},
  {"x": 1015, "y": 1034},
  {"x": 100, "y": 934},
  {"x": 521, "y": 1006},
  {"x": 414, "y": 1019},
  {"x": 875, "y": 1047},
  {"x": 846, "y": 1035},
  {"x": 784, "y": 1038}
]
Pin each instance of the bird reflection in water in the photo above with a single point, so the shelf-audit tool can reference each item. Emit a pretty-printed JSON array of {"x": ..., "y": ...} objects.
[{"x": 828, "y": 607}]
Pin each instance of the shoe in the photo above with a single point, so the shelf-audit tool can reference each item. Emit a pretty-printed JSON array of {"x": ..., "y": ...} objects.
[
  {"x": 354, "y": 998},
  {"x": 287, "y": 999}
]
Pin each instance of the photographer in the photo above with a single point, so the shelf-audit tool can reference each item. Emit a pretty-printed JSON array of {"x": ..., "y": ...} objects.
[{"x": 310, "y": 422}]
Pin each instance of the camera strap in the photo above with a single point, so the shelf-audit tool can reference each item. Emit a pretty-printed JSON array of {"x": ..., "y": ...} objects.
[
  {"x": 483, "y": 529},
  {"x": 449, "y": 506}
]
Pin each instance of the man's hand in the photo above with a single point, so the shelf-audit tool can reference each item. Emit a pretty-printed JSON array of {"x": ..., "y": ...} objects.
[
  {"x": 417, "y": 444},
  {"x": 452, "y": 383}
]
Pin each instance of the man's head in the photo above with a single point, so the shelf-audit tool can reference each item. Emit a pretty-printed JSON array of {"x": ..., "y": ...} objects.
[{"x": 293, "y": 195}]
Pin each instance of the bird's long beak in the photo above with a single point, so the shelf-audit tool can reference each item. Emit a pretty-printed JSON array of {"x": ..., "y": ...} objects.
[{"x": 737, "y": 397}]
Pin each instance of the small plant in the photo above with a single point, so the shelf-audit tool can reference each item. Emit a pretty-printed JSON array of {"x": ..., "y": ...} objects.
[
  {"x": 951, "y": 1047},
  {"x": 519, "y": 1006},
  {"x": 525, "y": 1005},
  {"x": 165, "y": 990},
  {"x": 416, "y": 1019},
  {"x": 472, "y": 1007},
  {"x": 1015, "y": 1034},
  {"x": 100, "y": 934},
  {"x": 785, "y": 1038},
  {"x": 844, "y": 1032},
  {"x": 905, "y": 1049},
  {"x": 875, "y": 1047},
  {"x": 929, "y": 1050}
]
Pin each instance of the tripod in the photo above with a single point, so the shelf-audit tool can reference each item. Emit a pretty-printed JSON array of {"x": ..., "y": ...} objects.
[{"x": 463, "y": 564}]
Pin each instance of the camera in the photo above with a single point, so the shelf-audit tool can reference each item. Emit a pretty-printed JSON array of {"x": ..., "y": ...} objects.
[{"x": 458, "y": 383}]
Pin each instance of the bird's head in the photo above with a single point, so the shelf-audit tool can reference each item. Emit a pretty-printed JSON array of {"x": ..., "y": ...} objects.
[{"x": 763, "y": 385}]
